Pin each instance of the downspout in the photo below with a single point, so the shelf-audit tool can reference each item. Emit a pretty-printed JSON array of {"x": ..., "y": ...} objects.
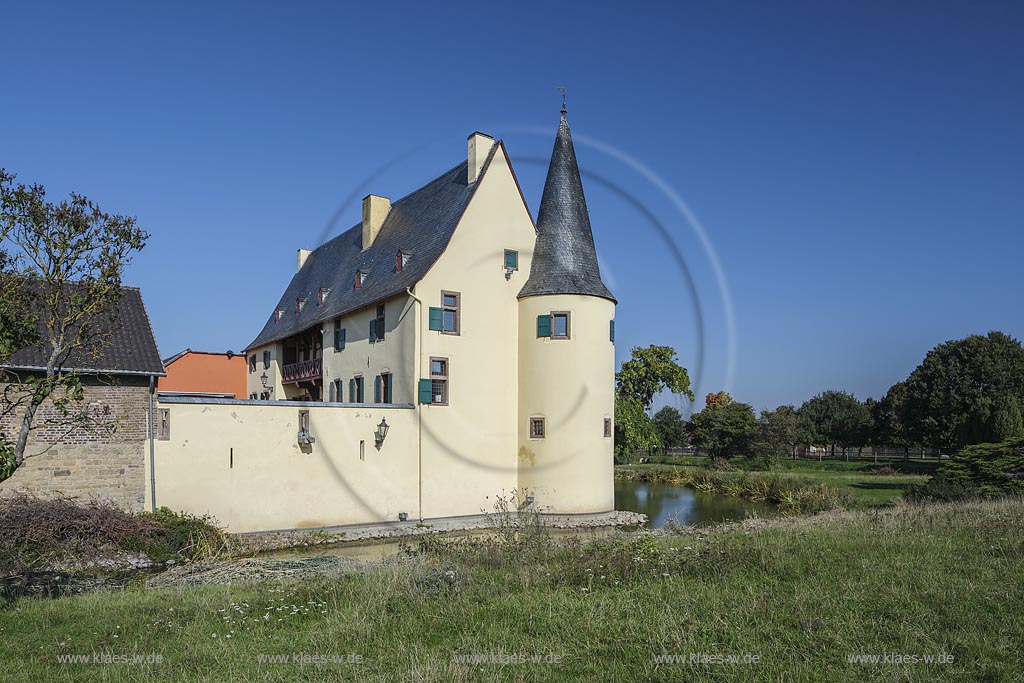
[
  {"x": 419, "y": 406},
  {"x": 152, "y": 447}
]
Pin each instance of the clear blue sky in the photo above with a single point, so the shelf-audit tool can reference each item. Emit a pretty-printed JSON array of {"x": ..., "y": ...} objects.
[{"x": 857, "y": 166}]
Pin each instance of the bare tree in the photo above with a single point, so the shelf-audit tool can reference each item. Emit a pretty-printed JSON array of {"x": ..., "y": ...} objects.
[{"x": 60, "y": 281}]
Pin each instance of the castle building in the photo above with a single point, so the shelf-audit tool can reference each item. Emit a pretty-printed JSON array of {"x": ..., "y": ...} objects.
[
  {"x": 440, "y": 353},
  {"x": 450, "y": 299}
]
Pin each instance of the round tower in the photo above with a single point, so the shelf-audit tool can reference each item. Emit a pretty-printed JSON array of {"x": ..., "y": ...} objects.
[{"x": 566, "y": 353}]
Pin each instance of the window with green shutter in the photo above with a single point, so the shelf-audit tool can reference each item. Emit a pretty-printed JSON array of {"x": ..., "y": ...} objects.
[
  {"x": 543, "y": 325},
  {"x": 511, "y": 259},
  {"x": 373, "y": 331},
  {"x": 376, "y": 389},
  {"x": 352, "y": 391},
  {"x": 436, "y": 318},
  {"x": 339, "y": 336},
  {"x": 611, "y": 331},
  {"x": 426, "y": 391}
]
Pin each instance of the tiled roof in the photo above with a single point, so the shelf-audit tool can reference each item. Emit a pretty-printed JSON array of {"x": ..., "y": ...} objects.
[
  {"x": 131, "y": 348},
  {"x": 564, "y": 260},
  {"x": 419, "y": 224}
]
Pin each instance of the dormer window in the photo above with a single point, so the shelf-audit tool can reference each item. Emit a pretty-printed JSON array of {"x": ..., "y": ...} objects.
[
  {"x": 360, "y": 278},
  {"x": 401, "y": 260},
  {"x": 321, "y": 295},
  {"x": 299, "y": 304},
  {"x": 278, "y": 314}
]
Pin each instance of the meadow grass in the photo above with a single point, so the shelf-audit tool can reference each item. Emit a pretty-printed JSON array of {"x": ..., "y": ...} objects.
[{"x": 802, "y": 594}]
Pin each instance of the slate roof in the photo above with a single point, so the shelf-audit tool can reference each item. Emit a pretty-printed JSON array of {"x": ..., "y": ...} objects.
[
  {"x": 564, "y": 260},
  {"x": 131, "y": 350},
  {"x": 420, "y": 224}
]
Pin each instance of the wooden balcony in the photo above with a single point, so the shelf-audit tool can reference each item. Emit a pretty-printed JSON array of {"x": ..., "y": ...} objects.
[{"x": 303, "y": 371}]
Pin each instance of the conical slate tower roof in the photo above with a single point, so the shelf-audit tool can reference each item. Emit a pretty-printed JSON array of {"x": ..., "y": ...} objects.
[{"x": 564, "y": 259}]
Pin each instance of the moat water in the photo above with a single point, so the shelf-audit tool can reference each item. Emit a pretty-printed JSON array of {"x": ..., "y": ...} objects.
[{"x": 662, "y": 502}]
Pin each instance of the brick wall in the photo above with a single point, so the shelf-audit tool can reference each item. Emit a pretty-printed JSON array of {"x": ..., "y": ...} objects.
[{"x": 103, "y": 463}]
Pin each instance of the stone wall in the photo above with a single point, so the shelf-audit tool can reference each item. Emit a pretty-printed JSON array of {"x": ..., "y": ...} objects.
[{"x": 106, "y": 462}]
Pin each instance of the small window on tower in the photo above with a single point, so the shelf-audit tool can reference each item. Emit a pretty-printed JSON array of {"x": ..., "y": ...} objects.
[
  {"x": 536, "y": 427},
  {"x": 559, "y": 324}
]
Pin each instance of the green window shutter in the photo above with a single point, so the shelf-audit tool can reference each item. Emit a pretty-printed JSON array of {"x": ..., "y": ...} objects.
[
  {"x": 611, "y": 331},
  {"x": 376, "y": 389},
  {"x": 352, "y": 391},
  {"x": 373, "y": 331},
  {"x": 436, "y": 318},
  {"x": 331, "y": 392},
  {"x": 543, "y": 325},
  {"x": 426, "y": 391},
  {"x": 390, "y": 388},
  {"x": 339, "y": 341}
]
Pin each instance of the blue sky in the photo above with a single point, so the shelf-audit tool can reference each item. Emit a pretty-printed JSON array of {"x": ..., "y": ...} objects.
[{"x": 857, "y": 167}]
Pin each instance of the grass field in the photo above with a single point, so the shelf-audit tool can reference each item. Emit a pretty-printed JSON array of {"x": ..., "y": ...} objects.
[
  {"x": 800, "y": 595},
  {"x": 853, "y": 477}
]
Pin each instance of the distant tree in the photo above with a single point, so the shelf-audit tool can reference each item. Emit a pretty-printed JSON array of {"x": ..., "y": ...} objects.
[
  {"x": 62, "y": 266},
  {"x": 725, "y": 430},
  {"x": 648, "y": 372},
  {"x": 960, "y": 394},
  {"x": 887, "y": 419},
  {"x": 1007, "y": 421},
  {"x": 713, "y": 400},
  {"x": 670, "y": 427},
  {"x": 781, "y": 431},
  {"x": 837, "y": 418}
]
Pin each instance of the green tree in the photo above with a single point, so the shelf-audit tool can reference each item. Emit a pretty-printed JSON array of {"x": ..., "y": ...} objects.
[
  {"x": 954, "y": 395},
  {"x": 69, "y": 256},
  {"x": 634, "y": 429},
  {"x": 781, "y": 431},
  {"x": 648, "y": 372},
  {"x": 725, "y": 430},
  {"x": 670, "y": 427},
  {"x": 887, "y": 420},
  {"x": 1007, "y": 422},
  {"x": 837, "y": 418}
]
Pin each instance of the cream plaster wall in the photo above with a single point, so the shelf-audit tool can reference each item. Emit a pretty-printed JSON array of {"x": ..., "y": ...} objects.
[
  {"x": 469, "y": 446},
  {"x": 276, "y": 484},
  {"x": 569, "y": 382}
]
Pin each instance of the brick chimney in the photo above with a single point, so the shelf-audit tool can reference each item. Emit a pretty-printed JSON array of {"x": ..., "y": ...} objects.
[
  {"x": 479, "y": 147},
  {"x": 375, "y": 210}
]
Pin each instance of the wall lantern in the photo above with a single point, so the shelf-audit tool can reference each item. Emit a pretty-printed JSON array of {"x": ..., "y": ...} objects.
[
  {"x": 382, "y": 431},
  {"x": 263, "y": 379}
]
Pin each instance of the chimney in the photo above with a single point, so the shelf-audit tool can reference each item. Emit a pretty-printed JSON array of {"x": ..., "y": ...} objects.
[
  {"x": 479, "y": 147},
  {"x": 303, "y": 255},
  {"x": 375, "y": 210}
]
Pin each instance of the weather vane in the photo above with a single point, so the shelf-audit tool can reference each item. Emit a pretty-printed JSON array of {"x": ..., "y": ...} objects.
[{"x": 561, "y": 88}]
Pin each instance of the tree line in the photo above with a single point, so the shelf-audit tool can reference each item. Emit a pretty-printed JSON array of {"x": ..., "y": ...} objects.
[{"x": 964, "y": 392}]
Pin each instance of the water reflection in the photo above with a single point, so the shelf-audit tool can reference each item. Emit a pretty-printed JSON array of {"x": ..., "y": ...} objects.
[{"x": 661, "y": 502}]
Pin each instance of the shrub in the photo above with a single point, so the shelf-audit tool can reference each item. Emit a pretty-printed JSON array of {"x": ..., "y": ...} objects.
[
  {"x": 981, "y": 471},
  {"x": 35, "y": 533}
]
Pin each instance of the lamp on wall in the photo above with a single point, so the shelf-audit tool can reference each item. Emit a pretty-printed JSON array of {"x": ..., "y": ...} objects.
[
  {"x": 382, "y": 431},
  {"x": 264, "y": 379}
]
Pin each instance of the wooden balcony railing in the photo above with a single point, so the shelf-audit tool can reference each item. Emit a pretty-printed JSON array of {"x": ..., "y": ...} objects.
[{"x": 303, "y": 371}]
